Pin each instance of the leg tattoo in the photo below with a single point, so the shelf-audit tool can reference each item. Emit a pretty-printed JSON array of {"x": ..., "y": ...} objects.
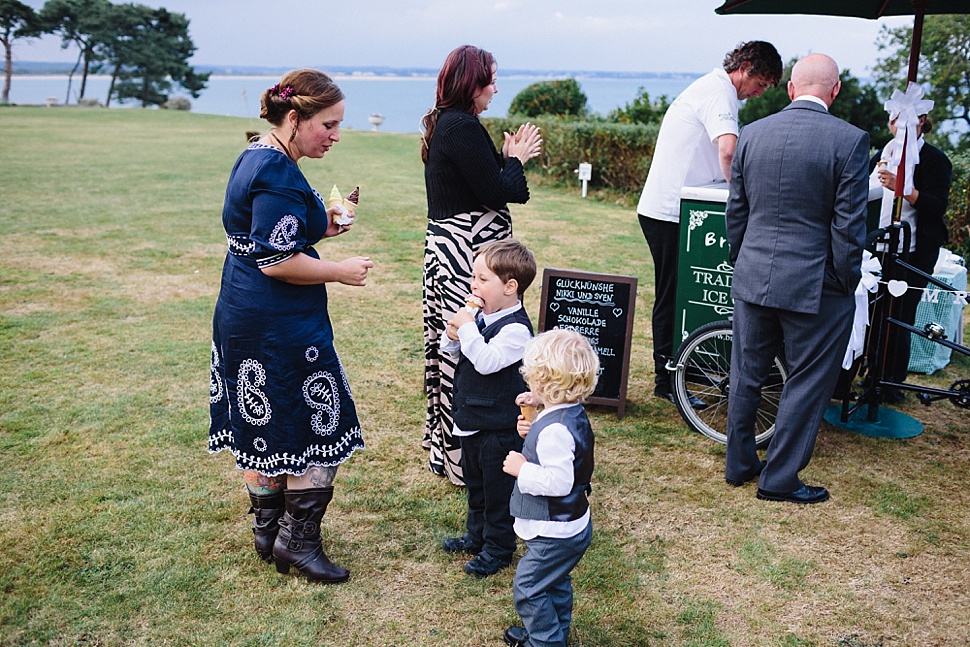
[
  {"x": 321, "y": 476},
  {"x": 315, "y": 477},
  {"x": 264, "y": 485}
]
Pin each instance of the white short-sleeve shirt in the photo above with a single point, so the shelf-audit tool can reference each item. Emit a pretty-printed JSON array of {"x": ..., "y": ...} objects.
[{"x": 686, "y": 153}]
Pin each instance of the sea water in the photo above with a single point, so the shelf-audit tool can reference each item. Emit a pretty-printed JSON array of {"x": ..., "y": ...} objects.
[{"x": 400, "y": 100}]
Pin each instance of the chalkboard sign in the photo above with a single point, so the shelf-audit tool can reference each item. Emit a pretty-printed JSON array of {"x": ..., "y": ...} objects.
[{"x": 599, "y": 307}]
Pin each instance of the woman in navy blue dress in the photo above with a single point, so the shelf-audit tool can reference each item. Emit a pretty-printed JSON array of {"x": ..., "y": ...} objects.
[{"x": 279, "y": 397}]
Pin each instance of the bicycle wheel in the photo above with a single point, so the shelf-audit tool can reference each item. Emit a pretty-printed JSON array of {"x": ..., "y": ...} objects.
[{"x": 703, "y": 370}]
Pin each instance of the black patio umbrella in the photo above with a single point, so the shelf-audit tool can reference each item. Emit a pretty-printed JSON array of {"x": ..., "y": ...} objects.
[{"x": 850, "y": 8}]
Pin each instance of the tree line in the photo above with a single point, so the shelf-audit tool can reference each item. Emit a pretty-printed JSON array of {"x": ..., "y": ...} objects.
[
  {"x": 944, "y": 71},
  {"x": 144, "y": 50}
]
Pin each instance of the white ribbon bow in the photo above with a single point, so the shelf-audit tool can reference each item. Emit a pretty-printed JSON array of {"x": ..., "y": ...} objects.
[
  {"x": 868, "y": 282},
  {"x": 871, "y": 268},
  {"x": 906, "y": 108}
]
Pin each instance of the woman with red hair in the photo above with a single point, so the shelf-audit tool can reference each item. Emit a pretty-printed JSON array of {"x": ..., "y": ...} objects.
[{"x": 469, "y": 185}]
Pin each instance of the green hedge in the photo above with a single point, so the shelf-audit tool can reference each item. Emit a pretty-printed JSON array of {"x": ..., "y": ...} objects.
[{"x": 620, "y": 153}]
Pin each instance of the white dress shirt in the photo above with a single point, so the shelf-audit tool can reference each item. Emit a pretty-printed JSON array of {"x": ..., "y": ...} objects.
[
  {"x": 908, "y": 211},
  {"x": 506, "y": 348},
  {"x": 812, "y": 98}
]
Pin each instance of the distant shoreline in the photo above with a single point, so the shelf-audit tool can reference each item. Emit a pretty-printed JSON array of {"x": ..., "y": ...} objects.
[
  {"x": 335, "y": 76},
  {"x": 23, "y": 69}
]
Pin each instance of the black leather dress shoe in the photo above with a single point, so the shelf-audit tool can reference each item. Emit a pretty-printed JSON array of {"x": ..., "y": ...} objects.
[
  {"x": 804, "y": 494},
  {"x": 751, "y": 477},
  {"x": 516, "y": 636},
  {"x": 695, "y": 402},
  {"x": 483, "y": 565},
  {"x": 461, "y": 545}
]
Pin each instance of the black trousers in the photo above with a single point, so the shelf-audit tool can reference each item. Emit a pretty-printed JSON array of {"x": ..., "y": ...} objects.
[
  {"x": 489, "y": 489},
  {"x": 663, "y": 239}
]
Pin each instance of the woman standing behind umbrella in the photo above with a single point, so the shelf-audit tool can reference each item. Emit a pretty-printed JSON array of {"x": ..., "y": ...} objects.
[
  {"x": 924, "y": 210},
  {"x": 469, "y": 184}
]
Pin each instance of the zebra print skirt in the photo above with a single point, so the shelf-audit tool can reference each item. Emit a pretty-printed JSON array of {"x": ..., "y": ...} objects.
[{"x": 450, "y": 246}]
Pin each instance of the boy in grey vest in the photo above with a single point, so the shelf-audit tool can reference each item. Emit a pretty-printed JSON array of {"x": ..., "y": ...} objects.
[
  {"x": 553, "y": 475},
  {"x": 488, "y": 343}
]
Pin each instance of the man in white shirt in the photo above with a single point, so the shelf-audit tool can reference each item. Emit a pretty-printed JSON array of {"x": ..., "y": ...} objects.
[{"x": 694, "y": 148}]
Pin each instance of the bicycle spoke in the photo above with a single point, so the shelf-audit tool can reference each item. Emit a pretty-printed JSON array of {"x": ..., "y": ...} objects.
[{"x": 703, "y": 372}]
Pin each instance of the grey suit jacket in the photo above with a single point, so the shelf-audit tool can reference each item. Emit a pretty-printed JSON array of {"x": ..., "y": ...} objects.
[{"x": 796, "y": 213}]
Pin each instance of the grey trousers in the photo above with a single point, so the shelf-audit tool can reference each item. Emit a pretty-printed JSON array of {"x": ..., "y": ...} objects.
[
  {"x": 813, "y": 347},
  {"x": 543, "y": 589}
]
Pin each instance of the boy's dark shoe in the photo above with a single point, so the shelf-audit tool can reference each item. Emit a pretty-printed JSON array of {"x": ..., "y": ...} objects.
[
  {"x": 461, "y": 544},
  {"x": 483, "y": 565},
  {"x": 516, "y": 636}
]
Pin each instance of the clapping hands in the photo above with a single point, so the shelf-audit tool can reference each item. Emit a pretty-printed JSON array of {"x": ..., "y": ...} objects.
[{"x": 524, "y": 144}]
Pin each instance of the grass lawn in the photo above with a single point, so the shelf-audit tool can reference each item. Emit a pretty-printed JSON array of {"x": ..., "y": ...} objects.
[{"x": 117, "y": 526}]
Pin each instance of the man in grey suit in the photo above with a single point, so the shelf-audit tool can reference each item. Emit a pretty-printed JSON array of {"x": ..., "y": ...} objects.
[{"x": 796, "y": 228}]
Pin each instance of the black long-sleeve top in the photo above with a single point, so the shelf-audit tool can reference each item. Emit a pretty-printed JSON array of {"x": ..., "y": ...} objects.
[
  {"x": 465, "y": 172},
  {"x": 932, "y": 178}
]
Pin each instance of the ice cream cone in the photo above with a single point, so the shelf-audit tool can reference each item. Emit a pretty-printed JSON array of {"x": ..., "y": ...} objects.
[
  {"x": 352, "y": 200},
  {"x": 529, "y": 412},
  {"x": 473, "y": 304},
  {"x": 335, "y": 199}
]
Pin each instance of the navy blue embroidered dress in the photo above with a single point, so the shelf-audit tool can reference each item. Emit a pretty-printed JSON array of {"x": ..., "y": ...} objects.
[{"x": 278, "y": 396}]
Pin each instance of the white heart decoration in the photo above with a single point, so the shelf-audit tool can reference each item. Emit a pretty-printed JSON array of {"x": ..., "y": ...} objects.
[
  {"x": 617, "y": 312},
  {"x": 554, "y": 306},
  {"x": 897, "y": 288}
]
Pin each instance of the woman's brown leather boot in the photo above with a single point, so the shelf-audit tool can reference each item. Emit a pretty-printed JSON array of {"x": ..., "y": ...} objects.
[
  {"x": 268, "y": 509},
  {"x": 298, "y": 541}
]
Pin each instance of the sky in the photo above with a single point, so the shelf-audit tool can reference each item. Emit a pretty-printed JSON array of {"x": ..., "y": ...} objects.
[{"x": 573, "y": 35}]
